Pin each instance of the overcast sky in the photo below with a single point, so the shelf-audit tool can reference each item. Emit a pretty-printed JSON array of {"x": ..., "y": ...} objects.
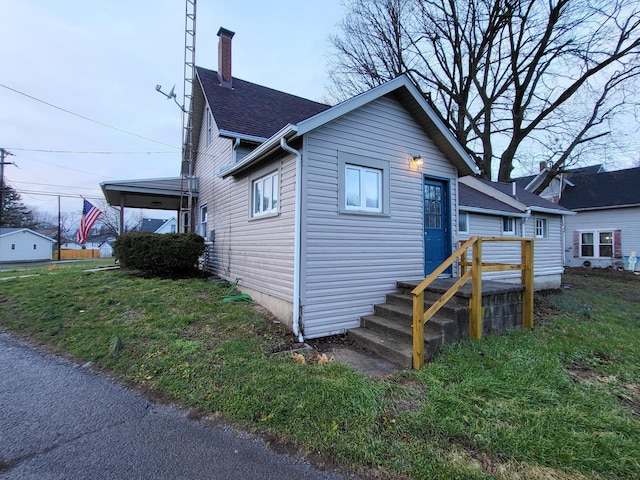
[{"x": 101, "y": 59}]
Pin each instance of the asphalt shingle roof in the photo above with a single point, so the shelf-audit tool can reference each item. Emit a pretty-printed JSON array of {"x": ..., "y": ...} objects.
[
  {"x": 251, "y": 109},
  {"x": 606, "y": 189},
  {"x": 522, "y": 195},
  {"x": 470, "y": 197}
]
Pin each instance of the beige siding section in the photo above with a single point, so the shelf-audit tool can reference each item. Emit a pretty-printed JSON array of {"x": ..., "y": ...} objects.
[
  {"x": 258, "y": 252},
  {"x": 547, "y": 251},
  {"x": 350, "y": 261}
]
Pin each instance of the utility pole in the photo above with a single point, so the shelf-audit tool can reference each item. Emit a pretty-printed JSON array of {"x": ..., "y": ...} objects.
[{"x": 3, "y": 154}]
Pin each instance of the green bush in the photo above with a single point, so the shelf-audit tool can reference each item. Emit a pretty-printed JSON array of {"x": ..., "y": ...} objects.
[{"x": 170, "y": 254}]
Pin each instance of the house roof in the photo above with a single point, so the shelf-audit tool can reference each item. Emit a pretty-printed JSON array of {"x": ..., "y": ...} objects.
[
  {"x": 478, "y": 194},
  {"x": 152, "y": 224},
  {"x": 532, "y": 181},
  {"x": 619, "y": 188},
  {"x": 6, "y": 231},
  {"x": 250, "y": 110},
  {"x": 404, "y": 91},
  {"x": 158, "y": 193}
]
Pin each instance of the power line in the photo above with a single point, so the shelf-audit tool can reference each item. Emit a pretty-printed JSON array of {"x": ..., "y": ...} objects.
[
  {"x": 92, "y": 153},
  {"x": 85, "y": 118}
]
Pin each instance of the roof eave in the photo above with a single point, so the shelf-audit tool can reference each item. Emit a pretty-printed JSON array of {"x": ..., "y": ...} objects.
[
  {"x": 266, "y": 148},
  {"x": 491, "y": 211}
]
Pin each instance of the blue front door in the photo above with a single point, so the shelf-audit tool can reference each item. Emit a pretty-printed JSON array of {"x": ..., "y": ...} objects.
[{"x": 436, "y": 223}]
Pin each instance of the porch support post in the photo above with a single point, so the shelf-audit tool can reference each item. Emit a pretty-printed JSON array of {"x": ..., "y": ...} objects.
[
  {"x": 475, "y": 304},
  {"x": 527, "y": 279},
  {"x": 417, "y": 330}
]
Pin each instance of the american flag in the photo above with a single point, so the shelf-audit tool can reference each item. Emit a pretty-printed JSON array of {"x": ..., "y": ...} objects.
[{"x": 89, "y": 216}]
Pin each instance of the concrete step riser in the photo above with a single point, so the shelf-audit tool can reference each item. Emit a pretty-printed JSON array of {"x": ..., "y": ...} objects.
[{"x": 454, "y": 312}]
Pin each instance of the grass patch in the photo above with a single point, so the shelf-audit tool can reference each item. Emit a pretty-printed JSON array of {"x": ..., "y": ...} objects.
[{"x": 560, "y": 401}]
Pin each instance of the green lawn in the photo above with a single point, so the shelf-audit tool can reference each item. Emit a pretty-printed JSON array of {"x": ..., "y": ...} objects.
[{"x": 560, "y": 401}]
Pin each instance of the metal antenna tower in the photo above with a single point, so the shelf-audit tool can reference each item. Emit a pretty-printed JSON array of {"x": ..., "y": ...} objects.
[{"x": 188, "y": 157}]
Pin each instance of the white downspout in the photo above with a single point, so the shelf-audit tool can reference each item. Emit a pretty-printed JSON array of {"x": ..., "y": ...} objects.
[{"x": 297, "y": 243}]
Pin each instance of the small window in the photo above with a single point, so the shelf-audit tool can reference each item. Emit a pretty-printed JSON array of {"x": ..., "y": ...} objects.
[
  {"x": 541, "y": 228},
  {"x": 35, "y": 246},
  {"x": 508, "y": 226},
  {"x": 13, "y": 246},
  {"x": 265, "y": 199},
  {"x": 209, "y": 116},
  {"x": 203, "y": 221},
  {"x": 363, "y": 189},
  {"x": 463, "y": 222}
]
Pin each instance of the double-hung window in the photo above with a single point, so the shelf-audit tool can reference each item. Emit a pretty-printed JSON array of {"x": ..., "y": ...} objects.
[
  {"x": 597, "y": 244},
  {"x": 265, "y": 193},
  {"x": 541, "y": 228},
  {"x": 508, "y": 226},
  {"x": 203, "y": 221}
]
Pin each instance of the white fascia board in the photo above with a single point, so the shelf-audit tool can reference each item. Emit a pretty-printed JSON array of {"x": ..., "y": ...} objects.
[
  {"x": 256, "y": 155},
  {"x": 492, "y": 192},
  {"x": 488, "y": 211},
  {"x": 28, "y": 230},
  {"x": 358, "y": 101},
  {"x": 536, "y": 180},
  {"x": 241, "y": 136},
  {"x": 552, "y": 211}
]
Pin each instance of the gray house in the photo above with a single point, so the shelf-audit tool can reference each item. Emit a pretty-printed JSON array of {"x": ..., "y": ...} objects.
[
  {"x": 319, "y": 210},
  {"x": 503, "y": 209}
]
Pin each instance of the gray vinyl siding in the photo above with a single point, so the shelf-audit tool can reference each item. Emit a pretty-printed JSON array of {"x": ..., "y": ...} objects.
[
  {"x": 547, "y": 252},
  {"x": 627, "y": 220},
  {"x": 350, "y": 261},
  {"x": 258, "y": 252}
]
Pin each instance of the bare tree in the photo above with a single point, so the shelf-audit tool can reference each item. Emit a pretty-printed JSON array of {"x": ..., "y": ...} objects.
[
  {"x": 516, "y": 80},
  {"x": 109, "y": 221}
]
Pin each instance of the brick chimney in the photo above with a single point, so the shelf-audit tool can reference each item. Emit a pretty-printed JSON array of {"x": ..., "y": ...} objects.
[{"x": 224, "y": 57}]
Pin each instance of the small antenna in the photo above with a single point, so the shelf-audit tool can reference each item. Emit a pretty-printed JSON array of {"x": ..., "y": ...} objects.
[{"x": 170, "y": 95}]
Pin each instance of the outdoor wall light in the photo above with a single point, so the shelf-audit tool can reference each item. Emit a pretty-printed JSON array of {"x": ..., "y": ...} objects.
[{"x": 416, "y": 161}]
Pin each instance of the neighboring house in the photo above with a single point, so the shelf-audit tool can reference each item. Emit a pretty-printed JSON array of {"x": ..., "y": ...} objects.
[
  {"x": 318, "y": 211},
  {"x": 95, "y": 241},
  {"x": 24, "y": 245},
  {"x": 606, "y": 227},
  {"x": 159, "y": 225},
  {"x": 503, "y": 210}
]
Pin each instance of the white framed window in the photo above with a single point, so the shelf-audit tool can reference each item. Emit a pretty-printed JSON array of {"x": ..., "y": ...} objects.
[
  {"x": 597, "y": 244},
  {"x": 463, "y": 222},
  {"x": 209, "y": 117},
  {"x": 35, "y": 246},
  {"x": 363, "y": 185},
  {"x": 203, "y": 221},
  {"x": 541, "y": 228},
  {"x": 508, "y": 226},
  {"x": 363, "y": 189},
  {"x": 13, "y": 246},
  {"x": 265, "y": 195}
]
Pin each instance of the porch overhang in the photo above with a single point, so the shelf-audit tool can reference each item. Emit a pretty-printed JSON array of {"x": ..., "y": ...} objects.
[{"x": 154, "y": 194}]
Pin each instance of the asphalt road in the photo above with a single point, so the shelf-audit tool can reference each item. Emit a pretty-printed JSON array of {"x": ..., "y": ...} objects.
[{"x": 59, "y": 420}]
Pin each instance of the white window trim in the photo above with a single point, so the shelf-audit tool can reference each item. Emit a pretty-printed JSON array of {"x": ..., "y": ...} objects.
[
  {"x": 352, "y": 159},
  {"x": 271, "y": 212},
  {"x": 460, "y": 214},
  {"x": 203, "y": 221},
  {"x": 596, "y": 243},
  {"x": 513, "y": 226},
  {"x": 209, "y": 126},
  {"x": 544, "y": 228}
]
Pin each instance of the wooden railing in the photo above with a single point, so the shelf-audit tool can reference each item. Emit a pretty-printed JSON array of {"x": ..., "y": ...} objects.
[{"x": 421, "y": 317}]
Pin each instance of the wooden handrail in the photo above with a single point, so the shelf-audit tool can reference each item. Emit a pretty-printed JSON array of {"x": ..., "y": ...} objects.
[{"x": 420, "y": 317}]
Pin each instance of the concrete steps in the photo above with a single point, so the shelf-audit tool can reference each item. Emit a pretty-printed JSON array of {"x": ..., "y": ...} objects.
[{"x": 387, "y": 332}]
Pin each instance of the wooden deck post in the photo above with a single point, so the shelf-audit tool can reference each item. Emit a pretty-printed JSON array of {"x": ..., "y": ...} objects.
[
  {"x": 527, "y": 280},
  {"x": 417, "y": 330},
  {"x": 475, "y": 304}
]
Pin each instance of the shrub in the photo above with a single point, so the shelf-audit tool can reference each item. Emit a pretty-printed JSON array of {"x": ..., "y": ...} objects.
[{"x": 170, "y": 254}]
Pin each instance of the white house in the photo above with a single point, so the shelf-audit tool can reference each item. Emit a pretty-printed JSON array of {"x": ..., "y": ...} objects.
[{"x": 24, "y": 245}]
